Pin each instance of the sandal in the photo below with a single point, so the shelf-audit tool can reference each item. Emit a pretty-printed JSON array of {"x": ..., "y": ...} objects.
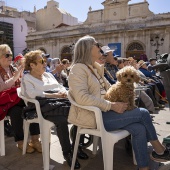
[
  {"x": 36, "y": 145},
  {"x": 29, "y": 149}
]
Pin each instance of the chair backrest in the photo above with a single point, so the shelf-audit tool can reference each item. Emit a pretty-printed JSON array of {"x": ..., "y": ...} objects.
[
  {"x": 26, "y": 100},
  {"x": 97, "y": 111}
]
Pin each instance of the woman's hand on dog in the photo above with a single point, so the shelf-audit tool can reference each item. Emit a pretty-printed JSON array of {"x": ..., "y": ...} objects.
[{"x": 119, "y": 107}]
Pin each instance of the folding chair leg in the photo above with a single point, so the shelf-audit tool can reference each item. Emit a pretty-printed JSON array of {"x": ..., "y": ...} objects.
[
  {"x": 2, "y": 139},
  {"x": 95, "y": 144},
  {"x": 26, "y": 131},
  {"x": 108, "y": 150},
  {"x": 75, "y": 149},
  {"x": 45, "y": 140}
]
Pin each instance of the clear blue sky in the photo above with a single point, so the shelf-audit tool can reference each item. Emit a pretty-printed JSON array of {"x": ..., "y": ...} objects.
[{"x": 79, "y": 8}]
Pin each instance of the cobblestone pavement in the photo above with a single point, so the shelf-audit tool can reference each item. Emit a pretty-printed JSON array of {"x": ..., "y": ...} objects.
[{"x": 14, "y": 160}]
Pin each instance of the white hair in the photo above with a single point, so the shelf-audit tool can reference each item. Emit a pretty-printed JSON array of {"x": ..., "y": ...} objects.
[{"x": 54, "y": 62}]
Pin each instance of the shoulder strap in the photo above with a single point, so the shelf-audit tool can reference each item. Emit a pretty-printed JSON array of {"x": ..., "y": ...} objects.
[{"x": 96, "y": 77}]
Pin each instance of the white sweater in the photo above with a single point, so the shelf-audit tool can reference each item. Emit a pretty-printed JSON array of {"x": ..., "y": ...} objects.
[{"x": 32, "y": 87}]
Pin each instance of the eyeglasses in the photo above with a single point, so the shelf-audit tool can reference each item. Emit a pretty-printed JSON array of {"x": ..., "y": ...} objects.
[
  {"x": 8, "y": 55},
  {"x": 42, "y": 61}
]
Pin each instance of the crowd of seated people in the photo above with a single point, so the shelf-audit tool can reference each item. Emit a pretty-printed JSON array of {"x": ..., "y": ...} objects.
[
  {"x": 152, "y": 96},
  {"x": 52, "y": 73},
  {"x": 112, "y": 65}
]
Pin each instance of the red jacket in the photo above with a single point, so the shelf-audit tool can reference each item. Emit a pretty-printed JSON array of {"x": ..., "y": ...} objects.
[{"x": 8, "y": 99}]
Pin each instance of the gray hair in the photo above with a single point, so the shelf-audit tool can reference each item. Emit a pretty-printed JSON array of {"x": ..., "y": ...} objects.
[
  {"x": 54, "y": 63},
  {"x": 82, "y": 50}
]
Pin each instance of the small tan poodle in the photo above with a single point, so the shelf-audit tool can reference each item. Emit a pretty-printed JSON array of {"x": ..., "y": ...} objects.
[{"x": 123, "y": 90}]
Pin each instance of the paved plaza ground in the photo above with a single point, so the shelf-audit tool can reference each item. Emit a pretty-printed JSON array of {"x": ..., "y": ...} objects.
[{"x": 14, "y": 160}]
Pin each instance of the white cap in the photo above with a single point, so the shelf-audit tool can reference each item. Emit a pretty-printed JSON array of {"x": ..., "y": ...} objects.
[{"x": 106, "y": 49}]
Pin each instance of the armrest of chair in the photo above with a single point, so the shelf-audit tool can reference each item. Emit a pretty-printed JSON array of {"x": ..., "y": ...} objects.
[
  {"x": 26, "y": 100},
  {"x": 141, "y": 88},
  {"x": 96, "y": 110}
]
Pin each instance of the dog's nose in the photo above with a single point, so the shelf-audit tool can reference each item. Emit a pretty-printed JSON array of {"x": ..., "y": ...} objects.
[{"x": 128, "y": 80}]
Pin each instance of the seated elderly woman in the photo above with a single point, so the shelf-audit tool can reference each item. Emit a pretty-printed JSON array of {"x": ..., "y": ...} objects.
[
  {"x": 88, "y": 86},
  {"x": 9, "y": 78},
  {"x": 38, "y": 83},
  {"x": 155, "y": 80}
]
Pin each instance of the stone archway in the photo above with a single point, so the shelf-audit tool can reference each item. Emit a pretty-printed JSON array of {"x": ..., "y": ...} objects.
[
  {"x": 135, "y": 49},
  {"x": 66, "y": 53}
]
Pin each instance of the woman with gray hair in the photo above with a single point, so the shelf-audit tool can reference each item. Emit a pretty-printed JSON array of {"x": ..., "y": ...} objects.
[{"x": 88, "y": 87}]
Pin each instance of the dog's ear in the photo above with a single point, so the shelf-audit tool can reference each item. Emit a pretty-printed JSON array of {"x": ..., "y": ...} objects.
[{"x": 119, "y": 76}]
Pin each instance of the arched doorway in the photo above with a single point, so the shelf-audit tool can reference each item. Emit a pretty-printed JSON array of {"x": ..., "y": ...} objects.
[
  {"x": 135, "y": 50},
  {"x": 66, "y": 53}
]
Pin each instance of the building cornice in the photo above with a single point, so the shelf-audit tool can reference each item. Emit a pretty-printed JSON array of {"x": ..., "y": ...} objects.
[{"x": 154, "y": 22}]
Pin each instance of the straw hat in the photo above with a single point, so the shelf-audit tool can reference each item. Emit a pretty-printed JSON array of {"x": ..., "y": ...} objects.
[
  {"x": 130, "y": 58},
  {"x": 141, "y": 63}
]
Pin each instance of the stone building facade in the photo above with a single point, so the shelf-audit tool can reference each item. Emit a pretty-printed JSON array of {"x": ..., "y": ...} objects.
[
  {"x": 51, "y": 17},
  {"x": 131, "y": 29}
]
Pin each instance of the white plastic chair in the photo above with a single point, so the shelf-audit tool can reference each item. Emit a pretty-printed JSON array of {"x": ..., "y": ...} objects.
[
  {"x": 45, "y": 130},
  {"x": 2, "y": 138},
  {"x": 108, "y": 139}
]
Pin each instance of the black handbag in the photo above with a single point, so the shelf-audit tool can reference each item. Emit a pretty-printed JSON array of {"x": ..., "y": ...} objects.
[{"x": 49, "y": 107}]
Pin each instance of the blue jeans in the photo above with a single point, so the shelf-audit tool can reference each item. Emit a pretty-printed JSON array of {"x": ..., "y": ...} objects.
[{"x": 139, "y": 124}]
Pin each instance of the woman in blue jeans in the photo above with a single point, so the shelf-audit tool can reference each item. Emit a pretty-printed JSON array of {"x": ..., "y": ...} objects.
[{"x": 88, "y": 86}]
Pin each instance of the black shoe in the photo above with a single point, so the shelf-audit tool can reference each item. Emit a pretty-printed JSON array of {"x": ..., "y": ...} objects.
[
  {"x": 161, "y": 106},
  {"x": 69, "y": 158},
  {"x": 160, "y": 158},
  {"x": 162, "y": 102},
  {"x": 81, "y": 154}
]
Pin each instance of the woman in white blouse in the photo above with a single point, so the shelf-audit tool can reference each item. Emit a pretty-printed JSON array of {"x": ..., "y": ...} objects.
[{"x": 35, "y": 83}]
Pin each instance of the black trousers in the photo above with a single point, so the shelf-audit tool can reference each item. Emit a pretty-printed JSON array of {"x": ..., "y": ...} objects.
[
  {"x": 150, "y": 94},
  {"x": 17, "y": 122},
  {"x": 62, "y": 131}
]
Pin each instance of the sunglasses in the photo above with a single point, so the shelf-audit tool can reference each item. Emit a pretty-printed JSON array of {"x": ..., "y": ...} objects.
[
  {"x": 8, "y": 55},
  {"x": 42, "y": 61},
  {"x": 97, "y": 45}
]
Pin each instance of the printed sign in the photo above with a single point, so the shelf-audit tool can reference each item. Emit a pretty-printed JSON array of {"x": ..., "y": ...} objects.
[{"x": 116, "y": 47}]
